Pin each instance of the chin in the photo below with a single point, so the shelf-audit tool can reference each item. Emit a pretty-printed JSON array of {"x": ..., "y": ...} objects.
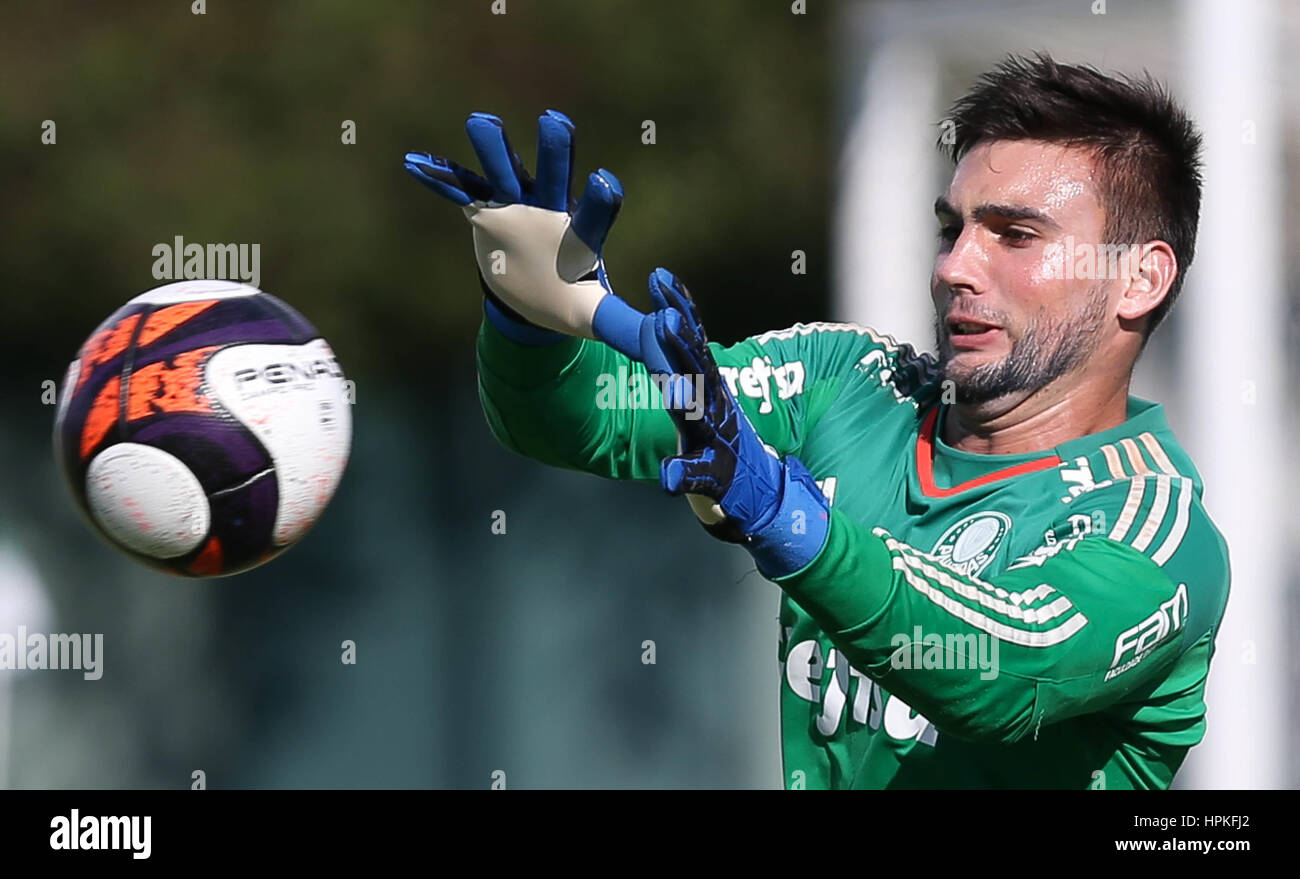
[
  {"x": 968, "y": 373},
  {"x": 960, "y": 364}
]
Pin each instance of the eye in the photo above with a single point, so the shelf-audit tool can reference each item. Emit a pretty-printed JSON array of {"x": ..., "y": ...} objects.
[
  {"x": 1017, "y": 236},
  {"x": 948, "y": 233}
]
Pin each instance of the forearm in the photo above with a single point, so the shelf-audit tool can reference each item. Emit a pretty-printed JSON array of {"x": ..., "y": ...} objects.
[
  {"x": 559, "y": 404},
  {"x": 984, "y": 660}
]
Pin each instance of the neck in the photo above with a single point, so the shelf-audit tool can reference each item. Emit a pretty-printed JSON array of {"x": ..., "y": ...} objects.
[{"x": 1040, "y": 420}]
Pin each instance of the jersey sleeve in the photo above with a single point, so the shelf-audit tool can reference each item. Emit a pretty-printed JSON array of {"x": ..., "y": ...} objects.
[
  {"x": 580, "y": 404},
  {"x": 786, "y": 380},
  {"x": 1074, "y": 628},
  {"x": 1160, "y": 516}
]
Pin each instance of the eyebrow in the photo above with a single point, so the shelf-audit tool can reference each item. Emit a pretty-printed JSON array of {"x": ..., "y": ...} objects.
[{"x": 1008, "y": 211}]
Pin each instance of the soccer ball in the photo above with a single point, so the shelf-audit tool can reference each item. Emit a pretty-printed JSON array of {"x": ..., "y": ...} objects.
[{"x": 204, "y": 427}]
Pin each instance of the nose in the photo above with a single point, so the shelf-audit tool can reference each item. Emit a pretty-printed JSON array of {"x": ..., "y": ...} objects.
[{"x": 961, "y": 268}]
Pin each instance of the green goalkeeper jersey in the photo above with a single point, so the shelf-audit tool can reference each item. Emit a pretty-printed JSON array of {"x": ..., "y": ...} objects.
[{"x": 972, "y": 621}]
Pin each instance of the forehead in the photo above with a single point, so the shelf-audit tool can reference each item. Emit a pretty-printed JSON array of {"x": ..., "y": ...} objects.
[{"x": 1051, "y": 176}]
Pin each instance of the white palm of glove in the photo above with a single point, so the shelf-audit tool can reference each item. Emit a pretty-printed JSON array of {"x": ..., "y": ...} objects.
[{"x": 534, "y": 261}]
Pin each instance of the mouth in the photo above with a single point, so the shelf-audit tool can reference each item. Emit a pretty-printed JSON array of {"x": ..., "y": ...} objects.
[{"x": 968, "y": 333}]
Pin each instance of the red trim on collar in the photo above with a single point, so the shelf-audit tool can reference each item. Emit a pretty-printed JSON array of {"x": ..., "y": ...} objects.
[{"x": 925, "y": 464}]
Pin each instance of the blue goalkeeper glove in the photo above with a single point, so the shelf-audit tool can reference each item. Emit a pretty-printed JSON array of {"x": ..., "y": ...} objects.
[
  {"x": 538, "y": 252},
  {"x": 771, "y": 505}
]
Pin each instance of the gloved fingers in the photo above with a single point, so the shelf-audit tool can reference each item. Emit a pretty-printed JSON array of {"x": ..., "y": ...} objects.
[
  {"x": 716, "y": 393},
  {"x": 667, "y": 290},
  {"x": 701, "y": 403},
  {"x": 554, "y": 161},
  {"x": 678, "y": 397},
  {"x": 691, "y": 344},
  {"x": 597, "y": 210},
  {"x": 682, "y": 474},
  {"x": 688, "y": 353},
  {"x": 448, "y": 179},
  {"x": 658, "y": 297},
  {"x": 681, "y": 357},
  {"x": 501, "y": 166}
]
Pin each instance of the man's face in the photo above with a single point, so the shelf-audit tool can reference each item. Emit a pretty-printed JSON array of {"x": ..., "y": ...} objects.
[{"x": 1009, "y": 319}]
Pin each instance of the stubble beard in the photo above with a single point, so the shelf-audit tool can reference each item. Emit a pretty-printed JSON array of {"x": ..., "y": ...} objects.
[{"x": 1046, "y": 351}]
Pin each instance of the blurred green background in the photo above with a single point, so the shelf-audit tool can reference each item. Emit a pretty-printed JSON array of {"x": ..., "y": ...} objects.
[{"x": 476, "y": 652}]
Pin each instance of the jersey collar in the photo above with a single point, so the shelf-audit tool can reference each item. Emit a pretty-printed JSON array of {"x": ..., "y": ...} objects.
[{"x": 1143, "y": 415}]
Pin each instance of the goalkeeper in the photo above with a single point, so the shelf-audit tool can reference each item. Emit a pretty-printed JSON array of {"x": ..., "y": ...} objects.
[{"x": 996, "y": 569}]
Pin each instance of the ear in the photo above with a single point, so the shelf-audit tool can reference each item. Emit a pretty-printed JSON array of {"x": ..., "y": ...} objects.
[{"x": 1153, "y": 268}]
